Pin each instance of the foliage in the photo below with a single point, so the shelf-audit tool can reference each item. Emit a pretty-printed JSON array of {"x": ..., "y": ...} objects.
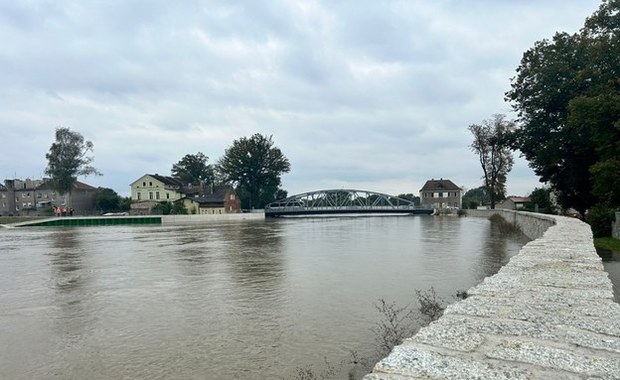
[
  {"x": 193, "y": 168},
  {"x": 608, "y": 243},
  {"x": 600, "y": 219},
  {"x": 125, "y": 204},
  {"x": 107, "y": 200},
  {"x": 396, "y": 325},
  {"x": 494, "y": 154},
  {"x": 540, "y": 201},
  {"x": 567, "y": 96},
  {"x": 254, "y": 165},
  {"x": 410, "y": 197},
  {"x": 430, "y": 306},
  {"x": 67, "y": 160},
  {"x": 476, "y": 197},
  {"x": 178, "y": 208},
  {"x": 162, "y": 208}
]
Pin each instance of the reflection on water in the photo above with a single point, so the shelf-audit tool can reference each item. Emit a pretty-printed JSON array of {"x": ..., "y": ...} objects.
[{"x": 246, "y": 300}]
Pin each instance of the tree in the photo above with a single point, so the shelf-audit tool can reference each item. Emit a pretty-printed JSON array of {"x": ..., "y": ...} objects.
[
  {"x": 476, "y": 197},
  {"x": 67, "y": 160},
  {"x": 540, "y": 201},
  {"x": 254, "y": 165},
  {"x": 410, "y": 197},
  {"x": 567, "y": 95},
  {"x": 107, "y": 200},
  {"x": 494, "y": 154},
  {"x": 193, "y": 168}
]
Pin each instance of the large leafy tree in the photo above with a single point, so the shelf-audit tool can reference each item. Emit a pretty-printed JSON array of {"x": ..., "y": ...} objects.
[
  {"x": 68, "y": 159},
  {"x": 107, "y": 199},
  {"x": 540, "y": 201},
  {"x": 567, "y": 95},
  {"x": 476, "y": 197},
  {"x": 494, "y": 154},
  {"x": 193, "y": 168},
  {"x": 255, "y": 166}
]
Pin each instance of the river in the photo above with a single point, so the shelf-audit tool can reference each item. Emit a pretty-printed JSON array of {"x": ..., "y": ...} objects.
[{"x": 236, "y": 300}]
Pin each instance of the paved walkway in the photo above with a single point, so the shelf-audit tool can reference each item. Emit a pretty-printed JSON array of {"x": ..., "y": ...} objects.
[{"x": 548, "y": 314}]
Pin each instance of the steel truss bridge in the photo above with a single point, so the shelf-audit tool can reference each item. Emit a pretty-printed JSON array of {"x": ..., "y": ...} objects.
[{"x": 342, "y": 201}]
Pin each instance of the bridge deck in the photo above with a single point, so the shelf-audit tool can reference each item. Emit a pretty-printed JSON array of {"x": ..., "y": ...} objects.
[{"x": 309, "y": 211}]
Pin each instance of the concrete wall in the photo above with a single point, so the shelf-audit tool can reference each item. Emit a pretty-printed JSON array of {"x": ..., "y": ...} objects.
[
  {"x": 533, "y": 225},
  {"x": 615, "y": 228},
  {"x": 548, "y": 314},
  {"x": 206, "y": 218}
]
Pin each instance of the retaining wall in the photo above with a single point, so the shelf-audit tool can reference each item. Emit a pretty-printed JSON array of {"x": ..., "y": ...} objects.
[
  {"x": 207, "y": 218},
  {"x": 547, "y": 314}
]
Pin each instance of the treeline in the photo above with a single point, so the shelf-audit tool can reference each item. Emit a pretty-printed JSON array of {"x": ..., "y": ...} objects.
[
  {"x": 566, "y": 94},
  {"x": 253, "y": 165}
]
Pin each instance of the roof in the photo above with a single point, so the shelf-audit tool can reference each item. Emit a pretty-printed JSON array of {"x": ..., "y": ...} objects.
[
  {"x": 167, "y": 180},
  {"x": 47, "y": 185},
  {"x": 519, "y": 199},
  {"x": 439, "y": 184},
  {"x": 218, "y": 195}
]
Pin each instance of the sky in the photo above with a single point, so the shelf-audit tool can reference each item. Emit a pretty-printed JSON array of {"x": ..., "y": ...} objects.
[{"x": 359, "y": 94}]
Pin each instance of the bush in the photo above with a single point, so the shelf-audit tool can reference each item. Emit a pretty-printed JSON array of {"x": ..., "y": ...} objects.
[{"x": 600, "y": 219}]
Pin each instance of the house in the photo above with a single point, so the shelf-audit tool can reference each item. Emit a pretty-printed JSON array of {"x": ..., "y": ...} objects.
[
  {"x": 513, "y": 203},
  {"x": 217, "y": 200},
  {"x": 441, "y": 194},
  {"x": 36, "y": 197},
  {"x": 155, "y": 187},
  {"x": 151, "y": 189}
]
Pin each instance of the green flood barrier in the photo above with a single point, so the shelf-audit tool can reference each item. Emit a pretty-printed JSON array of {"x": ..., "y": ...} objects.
[{"x": 93, "y": 221}]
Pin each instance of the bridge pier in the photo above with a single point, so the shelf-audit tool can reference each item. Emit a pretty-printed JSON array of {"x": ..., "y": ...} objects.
[{"x": 548, "y": 314}]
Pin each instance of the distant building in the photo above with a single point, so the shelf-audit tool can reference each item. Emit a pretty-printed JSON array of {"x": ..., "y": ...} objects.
[
  {"x": 441, "y": 194},
  {"x": 513, "y": 203},
  {"x": 151, "y": 189},
  {"x": 36, "y": 197},
  {"x": 216, "y": 200}
]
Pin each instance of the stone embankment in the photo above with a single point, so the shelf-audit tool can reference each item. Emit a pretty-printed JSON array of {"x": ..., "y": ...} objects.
[{"x": 548, "y": 314}]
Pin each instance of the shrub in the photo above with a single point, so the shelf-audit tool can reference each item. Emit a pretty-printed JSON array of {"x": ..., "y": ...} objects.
[{"x": 600, "y": 219}]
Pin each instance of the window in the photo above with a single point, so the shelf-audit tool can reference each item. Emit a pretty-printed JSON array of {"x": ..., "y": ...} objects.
[
  {"x": 138, "y": 195},
  {"x": 232, "y": 197},
  {"x": 150, "y": 183},
  {"x": 440, "y": 195},
  {"x": 150, "y": 195},
  {"x": 143, "y": 184},
  {"x": 157, "y": 195},
  {"x": 167, "y": 195}
]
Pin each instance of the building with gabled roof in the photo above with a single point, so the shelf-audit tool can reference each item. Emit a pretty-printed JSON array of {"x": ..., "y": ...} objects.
[
  {"x": 37, "y": 197},
  {"x": 513, "y": 203},
  {"x": 217, "y": 200},
  {"x": 151, "y": 189},
  {"x": 441, "y": 194}
]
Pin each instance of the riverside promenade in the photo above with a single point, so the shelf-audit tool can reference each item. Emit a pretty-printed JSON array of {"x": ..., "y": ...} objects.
[{"x": 548, "y": 314}]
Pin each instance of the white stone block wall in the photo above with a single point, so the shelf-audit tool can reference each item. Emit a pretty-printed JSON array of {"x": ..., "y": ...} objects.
[{"x": 548, "y": 314}]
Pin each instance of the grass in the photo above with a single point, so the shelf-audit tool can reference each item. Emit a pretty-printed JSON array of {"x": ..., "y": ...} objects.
[{"x": 607, "y": 243}]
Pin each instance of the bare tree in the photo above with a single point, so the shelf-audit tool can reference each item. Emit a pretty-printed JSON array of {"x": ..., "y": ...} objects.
[{"x": 494, "y": 153}]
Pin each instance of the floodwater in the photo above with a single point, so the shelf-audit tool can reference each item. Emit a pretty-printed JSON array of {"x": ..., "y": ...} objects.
[{"x": 237, "y": 300}]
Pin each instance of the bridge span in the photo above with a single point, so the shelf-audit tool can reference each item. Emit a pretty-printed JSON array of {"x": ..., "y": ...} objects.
[{"x": 343, "y": 201}]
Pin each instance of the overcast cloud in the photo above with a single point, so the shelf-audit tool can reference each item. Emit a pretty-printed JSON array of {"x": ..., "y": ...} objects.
[{"x": 373, "y": 95}]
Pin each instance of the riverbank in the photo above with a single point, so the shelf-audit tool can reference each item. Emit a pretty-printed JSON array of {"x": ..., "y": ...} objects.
[
  {"x": 607, "y": 243},
  {"x": 549, "y": 313}
]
